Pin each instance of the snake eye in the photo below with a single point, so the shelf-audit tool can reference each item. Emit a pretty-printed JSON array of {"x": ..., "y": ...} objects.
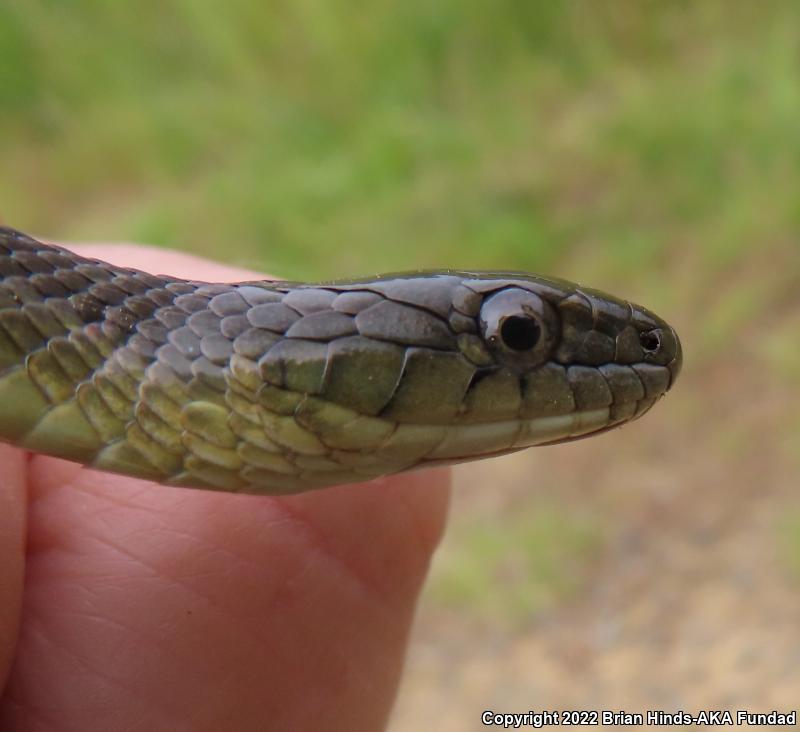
[{"x": 519, "y": 327}]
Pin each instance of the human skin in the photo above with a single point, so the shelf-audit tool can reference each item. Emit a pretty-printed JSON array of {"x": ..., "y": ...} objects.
[{"x": 126, "y": 605}]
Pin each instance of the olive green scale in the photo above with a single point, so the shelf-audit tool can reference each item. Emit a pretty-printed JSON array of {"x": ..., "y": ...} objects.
[{"x": 276, "y": 387}]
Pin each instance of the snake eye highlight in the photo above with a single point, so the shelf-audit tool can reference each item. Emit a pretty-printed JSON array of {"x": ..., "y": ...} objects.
[{"x": 519, "y": 327}]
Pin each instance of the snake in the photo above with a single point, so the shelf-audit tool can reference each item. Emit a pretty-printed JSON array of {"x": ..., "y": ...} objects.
[{"x": 279, "y": 387}]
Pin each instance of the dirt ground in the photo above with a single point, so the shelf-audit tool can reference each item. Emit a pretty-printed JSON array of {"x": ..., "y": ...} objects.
[{"x": 691, "y": 599}]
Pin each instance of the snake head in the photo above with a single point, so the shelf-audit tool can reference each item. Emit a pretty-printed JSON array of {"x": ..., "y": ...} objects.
[
  {"x": 578, "y": 354},
  {"x": 544, "y": 361},
  {"x": 450, "y": 366}
]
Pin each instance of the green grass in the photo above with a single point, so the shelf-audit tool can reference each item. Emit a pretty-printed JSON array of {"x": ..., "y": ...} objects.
[
  {"x": 513, "y": 568},
  {"x": 318, "y": 139}
]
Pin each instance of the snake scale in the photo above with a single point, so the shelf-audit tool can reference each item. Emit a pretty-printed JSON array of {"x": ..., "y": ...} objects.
[{"x": 279, "y": 387}]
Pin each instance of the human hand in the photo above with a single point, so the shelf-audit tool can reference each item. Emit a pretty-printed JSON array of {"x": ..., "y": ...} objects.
[{"x": 128, "y": 605}]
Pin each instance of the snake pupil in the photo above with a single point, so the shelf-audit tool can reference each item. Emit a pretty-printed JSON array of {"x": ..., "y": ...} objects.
[{"x": 520, "y": 333}]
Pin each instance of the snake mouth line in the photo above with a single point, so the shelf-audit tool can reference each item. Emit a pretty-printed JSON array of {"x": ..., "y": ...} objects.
[
  {"x": 474, "y": 441},
  {"x": 463, "y": 443}
]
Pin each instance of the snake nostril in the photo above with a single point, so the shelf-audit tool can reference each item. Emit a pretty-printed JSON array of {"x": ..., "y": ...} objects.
[{"x": 650, "y": 341}]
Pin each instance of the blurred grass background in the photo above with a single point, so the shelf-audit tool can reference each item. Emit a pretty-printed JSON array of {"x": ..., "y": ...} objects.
[{"x": 649, "y": 147}]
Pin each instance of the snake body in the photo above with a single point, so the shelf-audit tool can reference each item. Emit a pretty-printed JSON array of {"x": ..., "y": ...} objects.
[{"x": 279, "y": 387}]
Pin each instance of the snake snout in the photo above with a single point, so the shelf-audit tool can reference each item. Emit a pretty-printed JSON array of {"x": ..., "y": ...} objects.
[
  {"x": 659, "y": 344},
  {"x": 677, "y": 361}
]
